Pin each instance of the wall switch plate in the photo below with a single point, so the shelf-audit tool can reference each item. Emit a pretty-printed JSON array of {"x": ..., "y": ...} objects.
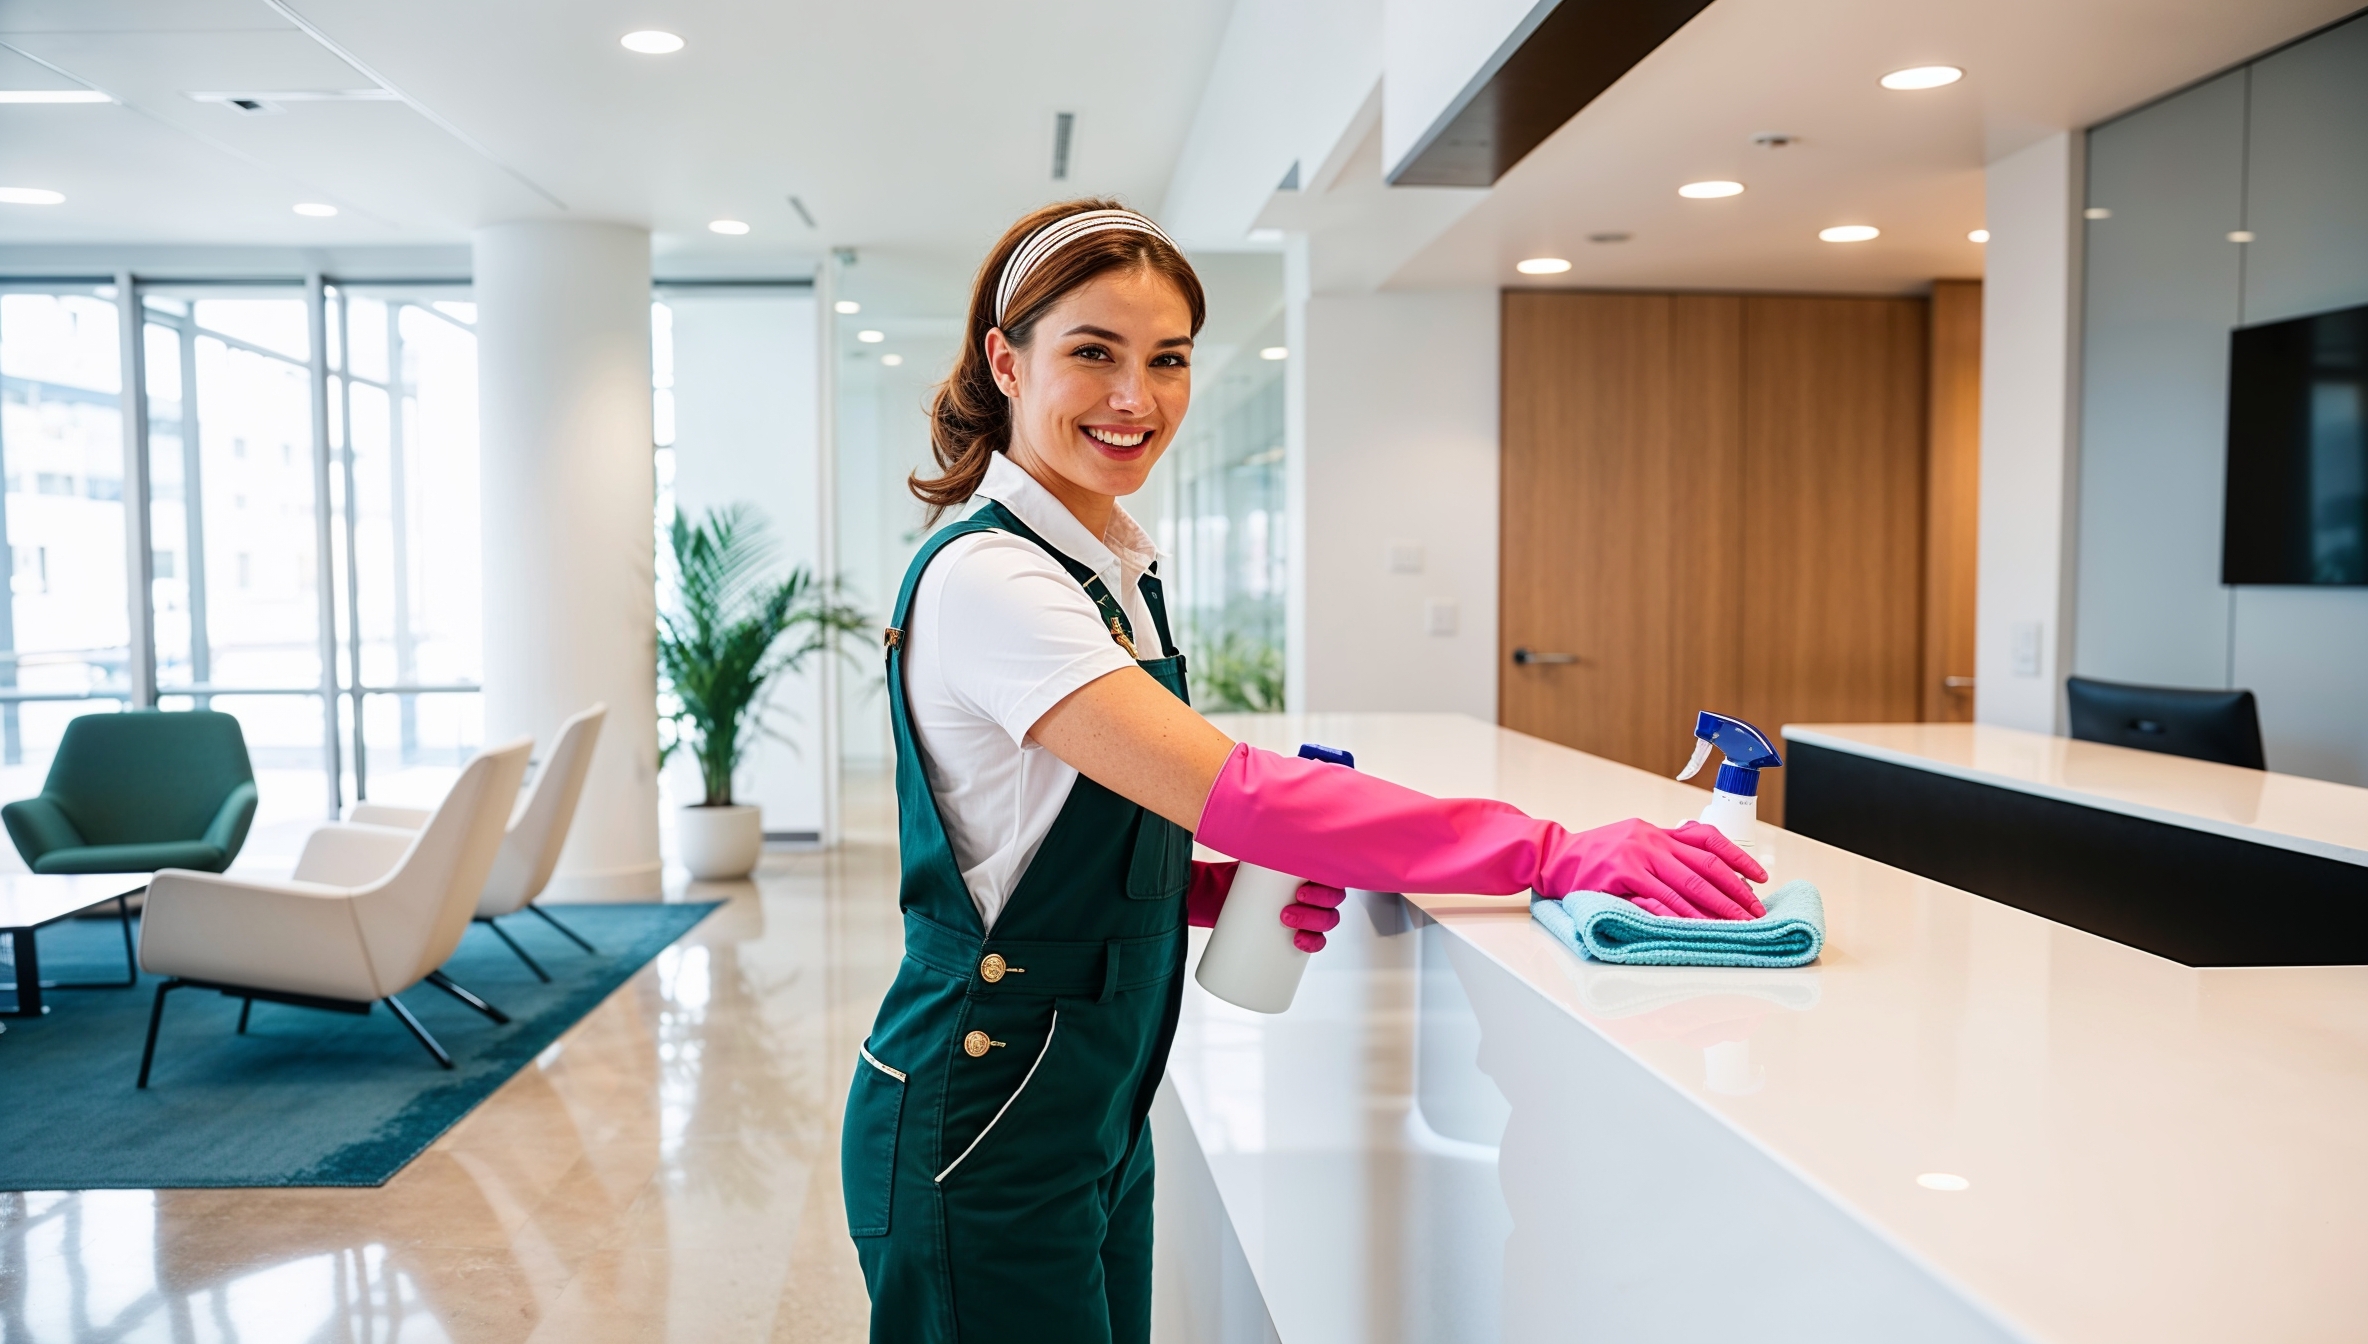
[
  {"x": 2028, "y": 637},
  {"x": 1406, "y": 557},
  {"x": 1439, "y": 618}
]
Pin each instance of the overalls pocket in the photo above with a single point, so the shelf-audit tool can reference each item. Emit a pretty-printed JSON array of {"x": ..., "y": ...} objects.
[
  {"x": 867, "y": 1145},
  {"x": 969, "y": 1101}
]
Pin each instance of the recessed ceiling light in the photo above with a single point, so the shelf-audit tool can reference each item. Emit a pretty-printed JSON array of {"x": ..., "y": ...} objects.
[
  {"x": 31, "y": 196},
  {"x": 1978, "y": 236},
  {"x": 730, "y": 226},
  {"x": 846, "y": 307},
  {"x": 53, "y": 96},
  {"x": 1922, "y": 77},
  {"x": 316, "y": 209},
  {"x": 1709, "y": 191},
  {"x": 1275, "y": 352},
  {"x": 1542, "y": 266},
  {"x": 2241, "y": 236},
  {"x": 651, "y": 42},
  {"x": 1941, "y": 1180},
  {"x": 871, "y": 337},
  {"x": 892, "y": 360},
  {"x": 1850, "y": 233}
]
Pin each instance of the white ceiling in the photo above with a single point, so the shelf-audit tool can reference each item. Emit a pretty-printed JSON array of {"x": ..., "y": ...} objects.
[
  {"x": 1908, "y": 163},
  {"x": 915, "y": 129},
  {"x": 911, "y": 129}
]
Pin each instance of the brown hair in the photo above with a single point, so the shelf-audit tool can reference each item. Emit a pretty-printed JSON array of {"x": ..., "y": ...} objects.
[{"x": 969, "y": 417}]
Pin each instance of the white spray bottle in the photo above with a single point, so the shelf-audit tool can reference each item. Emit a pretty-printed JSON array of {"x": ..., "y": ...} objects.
[
  {"x": 1253, "y": 960},
  {"x": 1734, "y": 797}
]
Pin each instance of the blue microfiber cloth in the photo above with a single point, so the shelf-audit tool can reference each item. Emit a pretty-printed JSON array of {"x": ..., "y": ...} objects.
[{"x": 1607, "y": 928}]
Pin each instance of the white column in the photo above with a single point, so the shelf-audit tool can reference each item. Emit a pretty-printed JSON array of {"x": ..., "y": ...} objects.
[
  {"x": 2030, "y": 347},
  {"x": 563, "y": 357}
]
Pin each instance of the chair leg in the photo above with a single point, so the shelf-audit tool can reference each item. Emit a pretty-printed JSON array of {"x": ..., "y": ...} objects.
[
  {"x": 444, "y": 982},
  {"x": 155, "y": 1020},
  {"x": 245, "y": 1007},
  {"x": 550, "y": 919},
  {"x": 531, "y": 964},
  {"x": 131, "y": 957},
  {"x": 403, "y": 1015}
]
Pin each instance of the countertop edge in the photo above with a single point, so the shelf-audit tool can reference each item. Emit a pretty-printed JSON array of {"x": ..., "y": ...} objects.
[{"x": 2145, "y": 812}]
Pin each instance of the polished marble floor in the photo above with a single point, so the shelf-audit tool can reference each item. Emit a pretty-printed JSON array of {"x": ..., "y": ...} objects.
[{"x": 668, "y": 1170}]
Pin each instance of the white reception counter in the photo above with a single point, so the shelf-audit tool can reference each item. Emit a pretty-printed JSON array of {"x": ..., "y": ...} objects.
[{"x": 1462, "y": 1132}]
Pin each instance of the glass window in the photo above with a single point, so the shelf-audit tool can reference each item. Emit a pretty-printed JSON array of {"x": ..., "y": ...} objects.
[
  {"x": 1222, "y": 524},
  {"x": 64, "y": 613},
  {"x": 233, "y": 501},
  {"x": 235, "y": 519},
  {"x": 413, "y": 621}
]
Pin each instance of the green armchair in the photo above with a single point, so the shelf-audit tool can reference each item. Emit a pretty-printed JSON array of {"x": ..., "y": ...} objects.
[{"x": 138, "y": 791}]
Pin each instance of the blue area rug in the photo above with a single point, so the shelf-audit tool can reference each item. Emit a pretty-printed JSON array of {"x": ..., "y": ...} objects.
[{"x": 305, "y": 1097}]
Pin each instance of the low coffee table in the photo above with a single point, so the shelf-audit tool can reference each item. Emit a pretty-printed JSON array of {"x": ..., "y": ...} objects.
[{"x": 30, "y": 900}]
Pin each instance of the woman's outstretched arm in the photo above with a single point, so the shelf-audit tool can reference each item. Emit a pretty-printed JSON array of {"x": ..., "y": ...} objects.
[
  {"x": 1132, "y": 736},
  {"x": 1333, "y": 825}
]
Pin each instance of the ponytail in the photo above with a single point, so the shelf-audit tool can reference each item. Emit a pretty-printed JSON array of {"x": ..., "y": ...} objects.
[{"x": 969, "y": 416}]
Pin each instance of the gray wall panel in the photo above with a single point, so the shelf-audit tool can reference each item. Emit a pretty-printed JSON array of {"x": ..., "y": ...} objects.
[
  {"x": 2285, "y": 156},
  {"x": 2162, "y": 281},
  {"x": 2306, "y": 173}
]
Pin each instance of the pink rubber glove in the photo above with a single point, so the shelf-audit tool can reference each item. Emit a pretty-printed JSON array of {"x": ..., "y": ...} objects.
[
  {"x": 1313, "y": 912},
  {"x": 1343, "y": 828}
]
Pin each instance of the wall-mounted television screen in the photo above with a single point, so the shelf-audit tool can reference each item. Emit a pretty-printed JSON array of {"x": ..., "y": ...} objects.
[{"x": 2298, "y": 452}]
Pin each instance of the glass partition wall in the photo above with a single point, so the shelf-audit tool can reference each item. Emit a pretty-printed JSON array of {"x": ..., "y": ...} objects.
[{"x": 298, "y": 483}]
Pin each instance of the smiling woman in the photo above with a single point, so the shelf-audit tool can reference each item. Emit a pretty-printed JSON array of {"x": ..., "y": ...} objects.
[
  {"x": 1050, "y": 774},
  {"x": 1095, "y": 245}
]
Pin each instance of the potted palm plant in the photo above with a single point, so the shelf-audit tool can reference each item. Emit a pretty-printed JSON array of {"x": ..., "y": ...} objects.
[{"x": 729, "y": 629}]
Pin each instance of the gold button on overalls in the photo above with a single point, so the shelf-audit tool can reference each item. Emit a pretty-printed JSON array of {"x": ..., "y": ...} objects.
[
  {"x": 992, "y": 967},
  {"x": 978, "y": 1043}
]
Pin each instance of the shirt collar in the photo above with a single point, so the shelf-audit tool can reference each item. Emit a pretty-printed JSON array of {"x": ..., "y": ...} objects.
[{"x": 1121, "y": 555}]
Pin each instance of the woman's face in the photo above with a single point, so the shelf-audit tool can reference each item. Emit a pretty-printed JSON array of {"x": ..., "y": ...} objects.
[{"x": 1098, "y": 393}]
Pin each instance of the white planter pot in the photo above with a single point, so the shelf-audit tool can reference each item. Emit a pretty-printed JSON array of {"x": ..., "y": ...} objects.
[{"x": 720, "y": 843}]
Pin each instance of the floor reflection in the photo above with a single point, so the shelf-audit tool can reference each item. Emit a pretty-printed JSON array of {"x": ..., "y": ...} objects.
[{"x": 665, "y": 1171}]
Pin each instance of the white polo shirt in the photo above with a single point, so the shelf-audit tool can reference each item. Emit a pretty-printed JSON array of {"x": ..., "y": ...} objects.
[{"x": 997, "y": 635}]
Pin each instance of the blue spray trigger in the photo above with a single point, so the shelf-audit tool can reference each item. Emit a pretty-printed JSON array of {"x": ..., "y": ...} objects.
[
  {"x": 1736, "y": 740},
  {"x": 1309, "y": 751}
]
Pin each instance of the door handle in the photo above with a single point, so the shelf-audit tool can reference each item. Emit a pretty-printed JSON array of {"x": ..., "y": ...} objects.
[
  {"x": 1957, "y": 683},
  {"x": 1524, "y": 657}
]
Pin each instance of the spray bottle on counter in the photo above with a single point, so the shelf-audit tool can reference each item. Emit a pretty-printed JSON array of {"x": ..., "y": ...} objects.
[
  {"x": 1252, "y": 961},
  {"x": 1734, "y": 797}
]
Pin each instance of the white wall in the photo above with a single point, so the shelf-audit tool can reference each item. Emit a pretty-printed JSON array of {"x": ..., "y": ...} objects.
[
  {"x": 1393, "y": 440},
  {"x": 744, "y": 417},
  {"x": 1289, "y": 78},
  {"x": 2029, "y": 332}
]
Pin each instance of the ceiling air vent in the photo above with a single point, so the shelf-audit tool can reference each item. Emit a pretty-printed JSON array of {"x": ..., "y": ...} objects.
[
  {"x": 1064, "y": 132},
  {"x": 250, "y": 103}
]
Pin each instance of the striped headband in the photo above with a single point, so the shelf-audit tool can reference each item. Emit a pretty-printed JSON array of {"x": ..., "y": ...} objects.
[{"x": 1041, "y": 244}]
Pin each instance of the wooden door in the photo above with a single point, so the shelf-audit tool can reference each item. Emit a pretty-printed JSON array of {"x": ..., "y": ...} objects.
[
  {"x": 1833, "y": 504},
  {"x": 1710, "y": 502},
  {"x": 1620, "y": 418}
]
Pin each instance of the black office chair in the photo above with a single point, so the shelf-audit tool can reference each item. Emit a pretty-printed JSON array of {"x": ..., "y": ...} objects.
[{"x": 2222, "y": 726}]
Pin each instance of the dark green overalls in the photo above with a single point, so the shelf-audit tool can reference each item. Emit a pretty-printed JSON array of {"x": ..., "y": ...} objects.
[{"x": 996, "y": 1158}]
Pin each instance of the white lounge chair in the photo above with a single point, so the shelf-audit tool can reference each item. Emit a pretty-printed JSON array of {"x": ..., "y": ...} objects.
[
  {"x": 370, "y": 912},
  {"x": 538, "y": 830}
]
